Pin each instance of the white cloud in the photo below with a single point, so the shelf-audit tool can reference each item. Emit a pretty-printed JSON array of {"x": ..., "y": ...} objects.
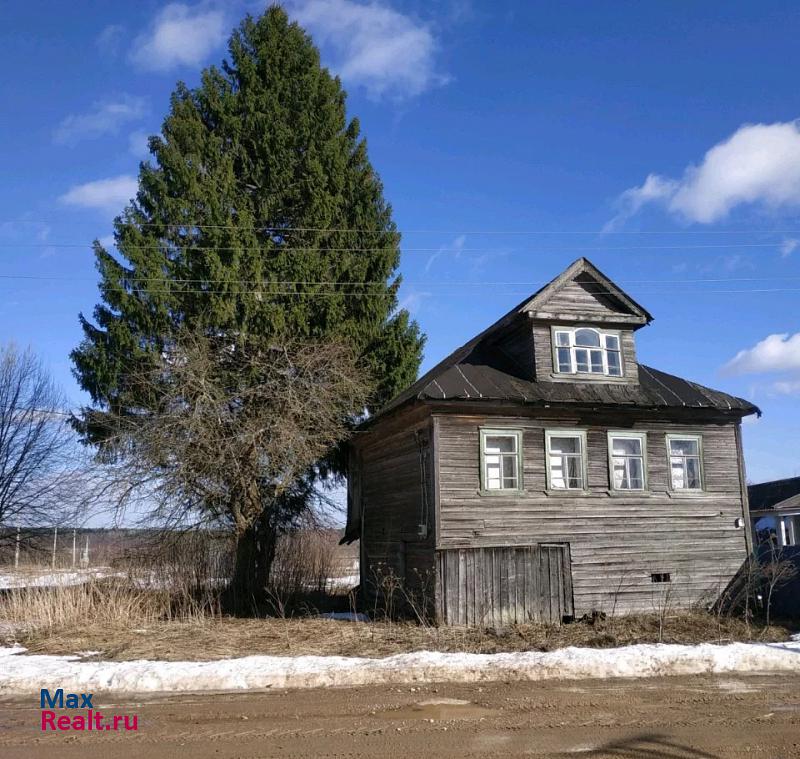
[
  {"x": 412, "y": 302},
  {"x": 104, "y": 118},
  {"x": 787, "y": 387},
  {"x": 759, "y": 164},
  {"x": 454, "y": 249},
  {"x": 106, "y": 194},
  {"x": 109, "y": 40},
  {"x": 180, "y": 35},
  {"x": 372, "y": 45},
  {"x": 788, "y": 246},
  {"x": 137, "y": 144},
  {"x": 775, "y": 353}
]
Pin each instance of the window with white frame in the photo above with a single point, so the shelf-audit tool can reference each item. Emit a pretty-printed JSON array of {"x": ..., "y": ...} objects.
[
  {"x": 685, "y": 462},
  {"x": 501, "y": 460},
  {"x": 566, "y": 459},
  {"x": 627, "y": 452},
  {"x": 585, "y": 350}
]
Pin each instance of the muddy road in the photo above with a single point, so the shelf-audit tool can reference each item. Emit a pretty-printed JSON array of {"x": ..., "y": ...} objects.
[{"x": 721, "y": 716}]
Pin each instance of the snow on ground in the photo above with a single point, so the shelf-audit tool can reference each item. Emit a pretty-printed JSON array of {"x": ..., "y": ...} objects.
[
  {"x": 27, "y": 674},
  {"x": 345, "y": 616},
  {"x": 51, "y": 579}
]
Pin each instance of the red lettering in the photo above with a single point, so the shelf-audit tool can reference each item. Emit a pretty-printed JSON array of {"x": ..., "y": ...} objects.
[
  {"x": 79, "y": 723},
  {"x": 117, "y": 719},
  {"x": 98, "y": 718},
  {"x": 63, "y": 723},
  {"x": 134, "y": 722},
  {"x": 48, "y": 720}
]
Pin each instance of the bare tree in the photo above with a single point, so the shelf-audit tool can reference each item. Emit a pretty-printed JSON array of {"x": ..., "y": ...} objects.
[
  {"x": 38, "y": 478},
  {"x": 231, "y": 427}
]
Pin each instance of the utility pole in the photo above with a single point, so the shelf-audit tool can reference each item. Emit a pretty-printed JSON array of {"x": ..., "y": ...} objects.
[
  {"x": 73, "y": 548},
  {"x": 16, "y": 551},
  {"x": 55, "y": 542}
]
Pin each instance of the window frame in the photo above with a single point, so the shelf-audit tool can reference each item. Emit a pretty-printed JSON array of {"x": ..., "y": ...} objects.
[
  {"x": 566, "y": 432},
  {"x": 602, "y": 333},
  {"x": 485, "y": 432},
  {"x": 641, "y": 436},
  {"x": 685, "y": 436}
]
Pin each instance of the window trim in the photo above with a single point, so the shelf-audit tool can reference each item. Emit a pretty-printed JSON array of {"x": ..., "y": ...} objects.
[
  {"x": 485, "y": 432},
  {"x": 566, "y": 432},
  {"x": 642, "y": 436},
  {"x": 574, "y": 367},
  {"x": 685, "y": 436}
]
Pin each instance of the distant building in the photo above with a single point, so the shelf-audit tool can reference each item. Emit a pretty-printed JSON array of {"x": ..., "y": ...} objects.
[{"x": 775, "y": 512}]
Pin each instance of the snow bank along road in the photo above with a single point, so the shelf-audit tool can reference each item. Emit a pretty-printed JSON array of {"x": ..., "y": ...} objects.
[{"x": 21, "y": 673}]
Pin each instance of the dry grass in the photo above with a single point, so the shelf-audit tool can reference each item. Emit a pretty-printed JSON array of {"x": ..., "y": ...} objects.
[
  {"x": 100, "y": 604},
  {"x": 207, "y": 639}
]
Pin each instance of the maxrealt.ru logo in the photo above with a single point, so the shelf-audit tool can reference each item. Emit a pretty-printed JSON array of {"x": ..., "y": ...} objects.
[{"x": 84, "y": 718}]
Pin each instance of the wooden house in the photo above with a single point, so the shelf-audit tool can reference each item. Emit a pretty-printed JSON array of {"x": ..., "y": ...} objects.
[
  {"x": 540, "y": 472},
  {"x": 775, "y": 512}
]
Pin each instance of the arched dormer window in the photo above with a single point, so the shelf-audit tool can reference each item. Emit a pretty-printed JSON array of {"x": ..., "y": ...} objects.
[{"x": 585, "y": 350}]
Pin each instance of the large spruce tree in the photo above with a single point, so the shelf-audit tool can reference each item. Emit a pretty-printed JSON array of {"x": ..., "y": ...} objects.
[{"x": 259, "y": 216}]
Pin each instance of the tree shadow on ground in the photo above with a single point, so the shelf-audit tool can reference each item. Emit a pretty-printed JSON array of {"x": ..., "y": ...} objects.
[{"x": 647, "y": 746}]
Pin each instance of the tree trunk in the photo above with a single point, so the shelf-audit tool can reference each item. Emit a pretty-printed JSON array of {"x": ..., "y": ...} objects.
[{"x": 255, "y": 550}]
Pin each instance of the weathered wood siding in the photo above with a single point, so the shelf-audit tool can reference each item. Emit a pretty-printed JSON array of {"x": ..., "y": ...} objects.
[
  {"x": 617, "y": 541},
  {"x": 502, "y": 586},
  {"x": 543, "y": 352},
  {"x": 584, "y": 298},
  {"x": 396, "y": 489}
]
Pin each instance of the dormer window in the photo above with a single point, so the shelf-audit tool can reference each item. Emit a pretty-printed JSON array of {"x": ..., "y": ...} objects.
[{"x": 585, "y": 350}]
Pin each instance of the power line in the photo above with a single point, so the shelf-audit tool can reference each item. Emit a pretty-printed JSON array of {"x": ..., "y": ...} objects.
[
  {"x": 474, "y": 232},
  {"x": 427, "y": 282},
  {"x": 403, "y": 249}
]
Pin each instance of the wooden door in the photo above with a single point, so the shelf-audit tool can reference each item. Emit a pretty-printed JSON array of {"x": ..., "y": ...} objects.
[{"x": 504, "y": 585}]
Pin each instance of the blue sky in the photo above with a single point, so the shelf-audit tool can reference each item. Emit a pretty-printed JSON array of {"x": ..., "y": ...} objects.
[{"x": 658, "y": 139}]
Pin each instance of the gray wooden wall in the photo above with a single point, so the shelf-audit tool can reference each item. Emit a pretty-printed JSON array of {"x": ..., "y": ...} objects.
[
  {"x": 617, "y": 541},
  {"x": 396, "y": 485}
]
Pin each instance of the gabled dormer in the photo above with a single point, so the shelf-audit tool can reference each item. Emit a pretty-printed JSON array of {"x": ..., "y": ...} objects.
[{"x": 582, "y": 326}]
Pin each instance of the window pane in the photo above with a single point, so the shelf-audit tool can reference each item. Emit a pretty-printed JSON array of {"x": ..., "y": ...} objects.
[
  {"x": 564, "y": 360},
  {"x": 683, "y": 447},
  {"x": 614, "y": 368},
  {"x": 574, "y": 472},
  {"x": 597, "y": 361},
  {"x": 635, "y": 474},
  {"x": 492, "y": 464},
  {"x": 565, "y": 444},
  {"x": 678, "y": 473},
  {"x": 620, "y": 474},
  {"x": 510, "y": 467},
  {"x": 693, "y": 473},
  {"x": 562, "y": 338},
  {"x": 587, "y": 337},
  {"x": 612, "y": 342},
  {"x": 582, "y": 360},
  {"x": 557, "y": 472},
  {"x": 500, "y": 444},
  {"x": 626, "y": 446}
]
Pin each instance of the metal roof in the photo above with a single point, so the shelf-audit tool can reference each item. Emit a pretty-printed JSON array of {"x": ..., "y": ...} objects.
[
  {"x": 481, "y": 371},
  {"x": 777, "y": 494}
]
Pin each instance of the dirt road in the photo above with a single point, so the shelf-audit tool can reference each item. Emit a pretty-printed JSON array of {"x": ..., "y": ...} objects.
[{"x": 725, "y": 717}]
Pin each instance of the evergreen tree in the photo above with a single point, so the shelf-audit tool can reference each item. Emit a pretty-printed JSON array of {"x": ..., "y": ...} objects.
[{"x": 259, "y": 216}]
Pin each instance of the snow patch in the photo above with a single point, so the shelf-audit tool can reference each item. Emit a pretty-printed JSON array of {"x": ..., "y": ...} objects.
[
  {"x": 20, "y": 673},
  {"x": 345, "y": 616},
  {"x": 52, "y": 579}
]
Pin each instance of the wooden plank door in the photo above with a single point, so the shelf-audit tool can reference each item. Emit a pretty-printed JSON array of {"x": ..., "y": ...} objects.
[{"x": 498, "y": 586}]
